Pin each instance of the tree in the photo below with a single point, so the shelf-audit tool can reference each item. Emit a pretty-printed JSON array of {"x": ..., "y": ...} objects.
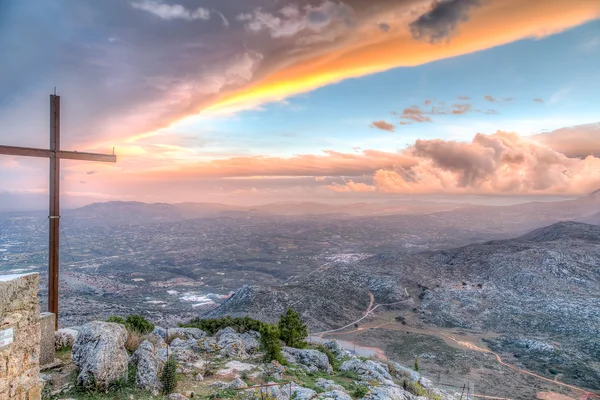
[
  {"x": 269, "y": 340},
  {"x": 416, "y": 364},
  {"x": 292, "y": 330}
]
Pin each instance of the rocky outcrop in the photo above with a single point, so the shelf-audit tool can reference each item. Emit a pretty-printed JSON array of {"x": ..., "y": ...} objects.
[
  {"x": 369, "y": 370},
  {"x": 313, "y": 360},
  {"x": 186, "y": 352},
  {"x": 64, "y": 338},
  {"x": 388, "y": 393},
  {"x": 99, "y": 353},
  {"x": 335, "y": 395},
  {"x": 274, "y": 370},
  {"x": 187, "y": 333},
  {"x": 148, "y": 365},
  {"x": 335, "y": 347},
  {"x": 230, "y": 343},
  {"x": 328, "y": 385}
]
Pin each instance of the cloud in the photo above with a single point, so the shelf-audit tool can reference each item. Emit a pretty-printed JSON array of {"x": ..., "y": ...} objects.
[
  {"x": 501, "y": 163},
  {"x": 171, "y": 11},
  {"x": 577, "y": 141},
  {"x": 156, "y": 74},
  {"x": 419, "y": 115},
  {"x": 538, "y": 100},
  {"x": 464, "y": 98},
  {"x": 441, "y": 21},
  {"x": 384, "y": 126},
  {"x": 490, "y": 99},
  {"x": 291, "y": 19},
  {"x": 91, "y": 172},
  {"x": 384, "y": 27}
]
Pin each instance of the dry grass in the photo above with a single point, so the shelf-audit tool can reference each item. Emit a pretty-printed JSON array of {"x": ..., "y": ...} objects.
[{"x": 133, "y": 341}]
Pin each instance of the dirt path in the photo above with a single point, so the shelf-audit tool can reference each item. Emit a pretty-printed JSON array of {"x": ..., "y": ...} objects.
[{"x": 464, "y": 344}]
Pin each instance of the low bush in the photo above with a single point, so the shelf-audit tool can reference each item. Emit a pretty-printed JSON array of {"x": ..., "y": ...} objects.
[
  {"x": 139, "y": 324},
  {"x": 116, "y": 319},
  {"x": 213, "y": 325}
]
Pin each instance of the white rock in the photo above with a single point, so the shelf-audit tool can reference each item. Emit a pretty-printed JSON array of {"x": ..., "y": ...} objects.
[
  {"x": 313, "y": 359},
  {"x": 99, "y": 353},
  {"x": 64, "y": 338}
]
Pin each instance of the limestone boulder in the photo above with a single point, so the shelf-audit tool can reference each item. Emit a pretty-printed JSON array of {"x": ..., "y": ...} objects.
[
  {"x": 231, "y": 343},
  {"x": 314, "y": 360},
  {"x": 388, "y": 393},
  {"x": 99, "y": 354},
  {"x": 64, "y": 338},
  {"x": 369, "y": 370},
  {"x": 335, "y": 395},
  {"x": 148, "y": 365}
]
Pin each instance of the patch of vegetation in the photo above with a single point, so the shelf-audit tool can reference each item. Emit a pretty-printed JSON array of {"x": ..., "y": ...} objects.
[
  {"x": 359, "y": 391},
  {"x": 292, "y": 329},
  {"x": 116, "y": 319},
  {"x": 213, "y": 325},
  {"x": 168, "y": 378},
  {"x": 139, "y": 324},
  {"x": 270, "y": 344},
  {"x": 224, "y": 394}
]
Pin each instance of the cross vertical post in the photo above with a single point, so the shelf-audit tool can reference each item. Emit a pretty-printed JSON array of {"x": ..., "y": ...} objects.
[
  {"x": 54, "y": 153},
  {"x": 54, "y": 215}
]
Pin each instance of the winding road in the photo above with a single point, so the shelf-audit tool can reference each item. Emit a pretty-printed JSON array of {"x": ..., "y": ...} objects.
[{"x": 585, "y": 394}]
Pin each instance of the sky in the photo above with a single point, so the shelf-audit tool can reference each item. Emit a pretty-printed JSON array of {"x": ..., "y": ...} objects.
[{"x": 259, "y": 101}]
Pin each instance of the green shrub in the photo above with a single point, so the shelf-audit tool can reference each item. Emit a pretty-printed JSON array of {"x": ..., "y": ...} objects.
[
  {"x": 116, "y": 319},
  {"x": 139, "y": 324},
  {"x": 168, "y": 378},
  {"x": 416, "y": 368},
  {"x": 359, "y": 391},
  {"x": 292, "y": 330},
  {"x": 213, "y": 325},
  {"x": 269, "y": 340}
]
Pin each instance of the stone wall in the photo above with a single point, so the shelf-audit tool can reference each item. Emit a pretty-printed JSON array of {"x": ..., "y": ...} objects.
[{"x": 19, "y": 360}]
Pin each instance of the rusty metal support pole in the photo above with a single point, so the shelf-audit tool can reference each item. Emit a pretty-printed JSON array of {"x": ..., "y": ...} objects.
[{"x": 54, "y": 241}]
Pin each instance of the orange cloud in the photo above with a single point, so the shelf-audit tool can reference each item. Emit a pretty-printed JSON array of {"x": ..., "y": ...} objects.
[
  {"x": 384, "y": 126},
  {"x": 367, "y": 49},
  {"x": 577, "y": 141},
  {"x": 502, "y": 163}
]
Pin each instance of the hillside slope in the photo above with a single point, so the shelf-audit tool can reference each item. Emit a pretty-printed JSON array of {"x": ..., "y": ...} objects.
[{"x": 545, "y": 284}]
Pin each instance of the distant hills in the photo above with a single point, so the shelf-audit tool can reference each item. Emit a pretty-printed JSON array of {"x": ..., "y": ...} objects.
[{"x": 545, "y": 283}]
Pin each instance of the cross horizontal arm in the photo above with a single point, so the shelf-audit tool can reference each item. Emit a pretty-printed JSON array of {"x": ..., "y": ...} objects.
[{"x": 67, "y": 155}]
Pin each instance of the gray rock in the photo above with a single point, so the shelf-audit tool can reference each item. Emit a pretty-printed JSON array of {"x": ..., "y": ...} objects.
[
  {"x": 161, "y": 332},
  {"x": 403, "y": 371},
  {"x": 231, "y": 343},
  {"x": 188, "y": 333},
  {"x": 65, "y": 338},
  {"x": 313, "y": 359},
  {"x": 335, "y": 347},
  {"x": 302, "y": 393},
  {"x": 237, "y": 383},
  {"x": 186, "y": 353},
  {"x": 251, "y": 341},
  {"x": 335, "y": 395},
  {"x": 328, "y": 385},
  {"x": 274, "y": 369},
  {"x": 388, "y": 393},
  {"x": 148, "y": 364},
  {"x": 99, "y": 353},
  {"x": 369, "y": 370},
  {"x": 199, "y": 377},
  {"x": 177, "y": 396}
]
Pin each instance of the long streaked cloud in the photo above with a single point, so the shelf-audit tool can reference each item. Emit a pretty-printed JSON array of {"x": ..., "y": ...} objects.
[
  {"x": 125, "y": 74},
  {"x": 171, "y": 11}
]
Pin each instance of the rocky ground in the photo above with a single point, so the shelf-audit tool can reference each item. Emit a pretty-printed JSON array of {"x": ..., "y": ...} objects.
[
  {"x": 543, "y": 286},
  {"x": 226, "y": 365}
]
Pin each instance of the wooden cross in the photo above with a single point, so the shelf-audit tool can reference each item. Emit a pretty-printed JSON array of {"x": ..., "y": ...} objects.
[{"x": 55, "y": 154}]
